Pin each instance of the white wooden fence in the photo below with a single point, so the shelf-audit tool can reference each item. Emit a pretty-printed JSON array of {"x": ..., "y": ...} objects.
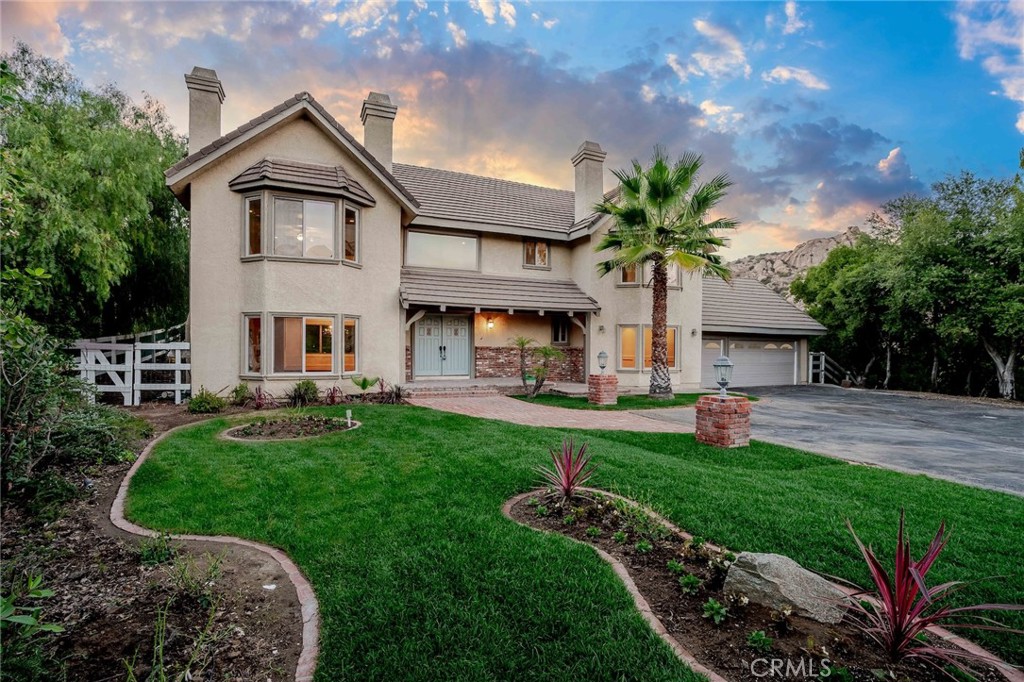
[{"x": 127, "y": 364}]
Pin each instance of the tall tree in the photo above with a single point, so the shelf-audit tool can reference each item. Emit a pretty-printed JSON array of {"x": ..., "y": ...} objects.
[
  {"x": 91, "y": 208},
  {"x": 662, "y": 219}
]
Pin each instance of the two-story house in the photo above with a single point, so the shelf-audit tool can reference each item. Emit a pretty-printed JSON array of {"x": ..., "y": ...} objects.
[{"x": 316, "y": 256}]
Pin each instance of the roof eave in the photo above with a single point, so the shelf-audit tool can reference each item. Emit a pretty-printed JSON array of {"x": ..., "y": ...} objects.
[{"x": 769, "y": 331}]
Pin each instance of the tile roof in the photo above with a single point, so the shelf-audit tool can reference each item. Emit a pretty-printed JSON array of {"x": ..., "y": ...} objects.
[
  {"x": 289, "y": 103},
  {"x": 450, "y": 195},
  {"x": 270, "y": 172},
  {"x": 491, "y": 292},
  {"x": 746, "y": 305}
]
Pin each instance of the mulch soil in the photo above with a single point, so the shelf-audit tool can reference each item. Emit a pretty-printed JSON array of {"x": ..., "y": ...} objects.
[
  {"x": 645, "y": 548},
  {"x": 306, "y": 426},
  {"x": 245, "y": 612}
]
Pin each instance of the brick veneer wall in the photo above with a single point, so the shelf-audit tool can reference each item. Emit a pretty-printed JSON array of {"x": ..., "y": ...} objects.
[
  {"x": 408, "y": 363},
  {"x": 603, "y": 389},
  {"x": 502, "y": 362},
  {"x": 723, "y": 422}
]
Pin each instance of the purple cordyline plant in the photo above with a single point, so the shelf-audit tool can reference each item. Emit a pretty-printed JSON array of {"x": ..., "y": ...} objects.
[
  {"x": 572, "y": 469},
  {"x": 906, "y": 607}
]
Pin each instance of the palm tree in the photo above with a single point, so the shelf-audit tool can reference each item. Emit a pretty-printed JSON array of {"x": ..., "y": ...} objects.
[{"x": 661, "y": 218}]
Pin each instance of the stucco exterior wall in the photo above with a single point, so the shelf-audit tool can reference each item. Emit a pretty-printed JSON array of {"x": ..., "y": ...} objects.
[
  {"x": 633, "y": 306},
  {"x": 500, "y": 255},
  {"x": 223, "y": 287}
]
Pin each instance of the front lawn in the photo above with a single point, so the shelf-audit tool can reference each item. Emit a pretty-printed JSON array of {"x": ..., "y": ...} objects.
[
  {"x": 420, "y": 577},
  {"x": 626, "y": 402}
]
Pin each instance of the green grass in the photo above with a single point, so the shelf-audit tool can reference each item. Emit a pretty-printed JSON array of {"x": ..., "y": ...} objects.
[
  {"x": 626, "y": 402},
  {"x": 420, "y": 577}
]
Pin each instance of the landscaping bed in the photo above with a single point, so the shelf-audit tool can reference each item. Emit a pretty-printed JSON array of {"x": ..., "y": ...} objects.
[
  {"x": 682, "y": 579},
  {"x": 290, "y": 428},
  {"x": 112, "y": 591}
]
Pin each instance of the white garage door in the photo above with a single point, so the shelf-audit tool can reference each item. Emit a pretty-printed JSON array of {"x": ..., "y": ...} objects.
[{"x": 757, "y": 362}]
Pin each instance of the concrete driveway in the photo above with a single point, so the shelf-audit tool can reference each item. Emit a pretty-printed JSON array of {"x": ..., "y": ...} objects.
[{"x": 966, "y": 442}]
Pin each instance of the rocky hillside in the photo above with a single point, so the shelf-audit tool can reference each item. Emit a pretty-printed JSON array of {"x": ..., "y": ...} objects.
[{"x": 777, "y": 270}]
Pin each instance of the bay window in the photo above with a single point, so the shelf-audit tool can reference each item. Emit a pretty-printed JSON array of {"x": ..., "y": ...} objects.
[
  {"x": 253, "y": 344},
  {"x": 351, "y": 235},
  {"x": 350, "y": 346},
  {"x": 253, "y": 226},
  {"x": 304, "y": 228}
]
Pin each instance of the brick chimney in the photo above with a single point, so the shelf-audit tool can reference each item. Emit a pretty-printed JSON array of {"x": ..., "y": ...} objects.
[
  {"x": 205, "y": 95},
  {"x": 378, "y": 117},
  {"x": 589, "y": 164}
]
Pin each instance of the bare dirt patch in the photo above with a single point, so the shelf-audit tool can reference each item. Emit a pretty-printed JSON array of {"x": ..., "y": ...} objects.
[
  {"x": 108, "y": 600},
  {"x": 289, "y": 428}
]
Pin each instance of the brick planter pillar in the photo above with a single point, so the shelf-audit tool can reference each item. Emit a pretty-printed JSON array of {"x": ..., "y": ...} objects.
[
  {"x": 723, "y": 422},
  {"x": 603, "y": 389}
]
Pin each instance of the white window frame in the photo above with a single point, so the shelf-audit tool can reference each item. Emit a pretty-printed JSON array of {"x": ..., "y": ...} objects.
[
  {"x": 244, "y": 366},
  {"x": 341, "y": 349},
  {"x": 622, "y": 271},
  {"x": 272, "y": 334},
  {"x": 558, "y": 324},
  {"x": 638, "y": 352},
  {"x": 678, "y": 357},
  {"x": 261, "y": 197},
  {"x": 535, "y": 266},
  {"x": 445, "y": 233},
  {"x": 344, "y": 208}
]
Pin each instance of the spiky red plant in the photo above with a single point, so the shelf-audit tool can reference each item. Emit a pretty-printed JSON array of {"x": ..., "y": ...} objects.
[
  {"x": 572, "y": 469},
  {"x": 906, "y": 606}
]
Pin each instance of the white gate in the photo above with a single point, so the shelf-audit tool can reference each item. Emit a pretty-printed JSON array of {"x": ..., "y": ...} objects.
[{"x": 137, "y": 363}]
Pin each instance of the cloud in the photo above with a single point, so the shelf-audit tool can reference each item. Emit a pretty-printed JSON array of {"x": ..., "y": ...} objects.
[
  {"x": 994, "y": 32},
  {"x": 491, "y": 11},
  {"x": 724, "y": 116},
  {"x": 784, "y": 74},
  {"x": 794, "y": 24},
  {"x": 725, "y": 55},
  {"x": 458, "y": 34},
  {"x": 37, "y": 24},
  {"x": 361, "y": 17},
  {"x": 894, "y": 165}
]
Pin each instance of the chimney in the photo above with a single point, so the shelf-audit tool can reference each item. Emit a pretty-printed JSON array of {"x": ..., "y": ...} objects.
[
  {"x": 589, "y": 164},
  {"x": 205, "y": 95},
  {"x": 378, "y": 117}
]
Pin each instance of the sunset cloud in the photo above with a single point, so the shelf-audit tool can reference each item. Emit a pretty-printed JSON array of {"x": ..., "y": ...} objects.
[{"x": 785, "y": 74}]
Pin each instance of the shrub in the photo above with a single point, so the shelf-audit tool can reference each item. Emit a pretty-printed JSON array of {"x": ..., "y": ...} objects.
[
  {"x": 570, "y": 471},
  {"x": 241, "y": 395},
  {"x": 303, "y": 393},
  {"x": 690, "y": 584},
  {"x": 675, "y": 567},
  {"x": 715, "y": 610},
  {"x": 643, "y": 547},
  {"x": 619, "y": 536},
  {"x": 538, "y": 372},
  {"x": 206, "y": 402},
  {"x": 364, "y": 384},
  {"x": 391, "y": 394},
  {"x": 593, "y": 532},
  {"x": 334, "y": 396},
  {"x": 262, "y": 400},
  {"x": 157, "y": 550},
  {"x": 759, "y": 641},
  {"x": 24, "y": 656},
  {"x": 906, "y": 606},
  {"x": 46, "y": 414}
]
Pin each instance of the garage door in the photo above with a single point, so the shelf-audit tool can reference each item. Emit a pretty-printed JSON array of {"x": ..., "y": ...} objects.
[{"x": 757, "y": 362}]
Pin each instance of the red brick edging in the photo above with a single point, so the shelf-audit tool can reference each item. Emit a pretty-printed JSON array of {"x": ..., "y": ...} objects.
[
  {"x": 304, "y": 591},
  {"x": 1009, "y": 672}
]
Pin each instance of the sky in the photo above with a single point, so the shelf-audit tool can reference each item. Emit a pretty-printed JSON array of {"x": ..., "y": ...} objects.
[{"x": 818, "y": 111}]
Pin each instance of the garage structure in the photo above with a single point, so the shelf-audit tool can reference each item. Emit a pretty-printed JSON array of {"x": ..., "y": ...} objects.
[{"x": 764, "y": 335}]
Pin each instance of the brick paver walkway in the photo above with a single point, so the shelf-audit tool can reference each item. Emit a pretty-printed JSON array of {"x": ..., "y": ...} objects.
[{"x": 529, "y": 414}]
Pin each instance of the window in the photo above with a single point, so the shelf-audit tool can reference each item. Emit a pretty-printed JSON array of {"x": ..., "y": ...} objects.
[
  {"x": 253, "y": 226},
  {"x": 560, "y": 331},
  {"x": 433, "y": 250},
  {"x": 627, "y": 348},
  {"x": 350, "y": 345},
  {"x": 304, "y": 228},
  {"x": 351, "y": 235},
  {"x": 303, "y": 344},
  {"x": 627, "y": 275},
  {"x": 253, "y": 344},
  {"x": 670, "y": 337},
  {"x": 535, "y": 254},
  {"x": 674, "y": 279}
]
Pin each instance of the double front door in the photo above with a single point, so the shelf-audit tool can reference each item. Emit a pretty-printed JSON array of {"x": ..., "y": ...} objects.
[{"x": 442, "y": 346}]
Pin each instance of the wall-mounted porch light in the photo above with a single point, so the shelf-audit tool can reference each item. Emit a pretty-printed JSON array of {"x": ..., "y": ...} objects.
[{"x": 490, "y": 322}]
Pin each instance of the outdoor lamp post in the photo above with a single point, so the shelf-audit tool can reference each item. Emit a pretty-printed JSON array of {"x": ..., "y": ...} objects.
[
  {"x": 723, "y": 372},
  {"x": 602, "y": 360}
]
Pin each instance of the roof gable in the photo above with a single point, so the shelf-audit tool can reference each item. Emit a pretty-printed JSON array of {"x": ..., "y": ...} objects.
[{"x": 300, "y": 104}]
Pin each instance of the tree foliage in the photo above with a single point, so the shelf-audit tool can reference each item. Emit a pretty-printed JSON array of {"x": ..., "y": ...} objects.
[
  {"x": 84, "y": 200},
  {"x": 661, "y": 218},
  {"x": 940, "y": 284}
]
